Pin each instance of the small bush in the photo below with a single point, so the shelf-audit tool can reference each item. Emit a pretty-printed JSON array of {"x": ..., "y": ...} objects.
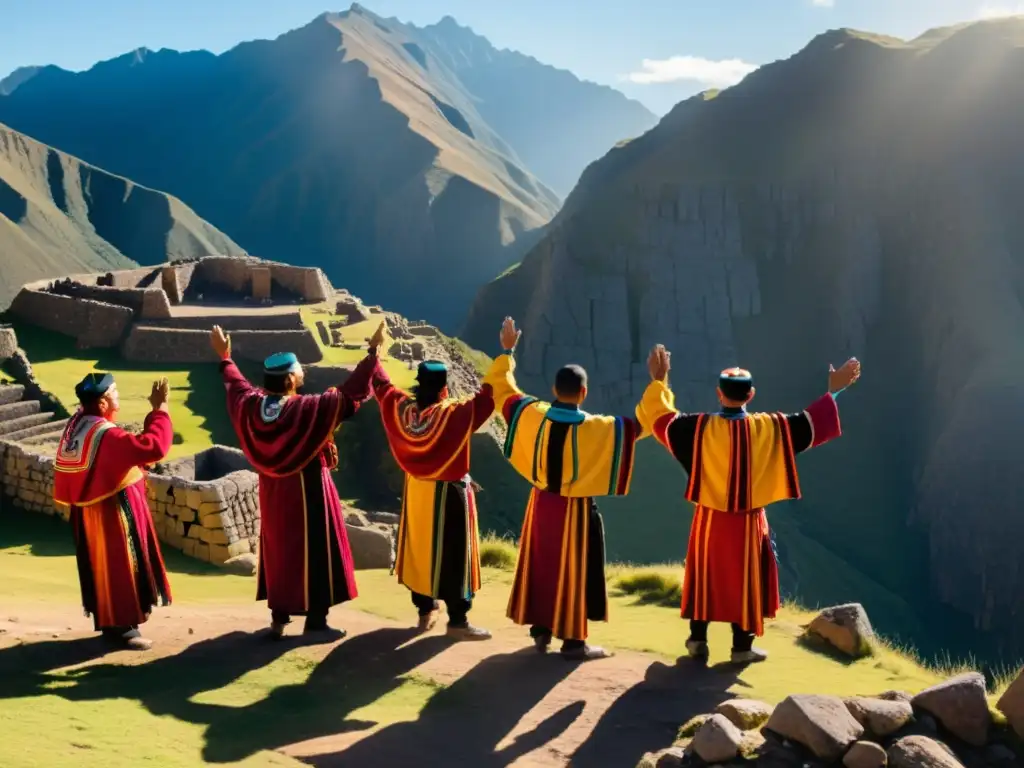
[
  {"x": 498, "y": 552},
  {"x": 652, "y": 585}
]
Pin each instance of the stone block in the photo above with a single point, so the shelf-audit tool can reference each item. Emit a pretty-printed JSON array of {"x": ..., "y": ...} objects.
[
  {"x": 185, "y": 514},
  {"x": 212, "y": 493},
  {"x": 240, "y": 547},
  {"x": 214, "y": 536},
  {"x": 261, "y": 283},
  {"x": 218, "y": 554},
  {"x": 188, "y": 546},
  {"x": 212, "y": 507},
  {"x": 201, "y": 552},
  {"x": 194, "y": 498},
  {"x": 195, "y": 531}
]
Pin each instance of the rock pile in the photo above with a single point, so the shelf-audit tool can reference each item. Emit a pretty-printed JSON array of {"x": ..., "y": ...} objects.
[{"x": 948, "y": 725}]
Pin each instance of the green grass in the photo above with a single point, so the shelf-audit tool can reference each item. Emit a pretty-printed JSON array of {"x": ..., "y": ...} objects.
[{"x": 498, "y": 552}]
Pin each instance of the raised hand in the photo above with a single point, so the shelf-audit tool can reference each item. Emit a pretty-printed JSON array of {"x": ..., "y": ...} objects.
[
  {"x": 659, "y": 362},
  {"x": 377, "y": 340},
  {"x": 509, "y": 334},
  {"x": 159, "y": 395},
  {"x": 847, "y": 374},
  {"x": 220, "y": 342}
]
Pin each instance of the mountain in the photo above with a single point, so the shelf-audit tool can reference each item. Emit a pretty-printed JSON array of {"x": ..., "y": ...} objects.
[
  {"x": 555, "y": 122},
  {"x": 18, "y": 77},
  {"x": 60, "y": 216},
  {"x": 863, "y": 197},
  {"x": 349, "y": 144}
]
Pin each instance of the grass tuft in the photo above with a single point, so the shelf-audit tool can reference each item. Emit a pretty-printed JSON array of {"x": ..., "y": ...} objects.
[
  {"x": 498, "y": 552},
  {"x": 688, "y": 729},
  {"x": 650, "y": 585}
]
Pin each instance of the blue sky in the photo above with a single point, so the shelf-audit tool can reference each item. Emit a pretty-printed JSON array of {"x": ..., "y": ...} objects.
[{"x": 687, "y": 45}]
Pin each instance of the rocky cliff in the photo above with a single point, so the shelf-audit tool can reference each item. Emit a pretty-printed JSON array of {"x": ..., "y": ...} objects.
[
  {"x": 860, "y": 198},
  {"x": 349, "y": 144},
  {"x": 61, "y": 216}
]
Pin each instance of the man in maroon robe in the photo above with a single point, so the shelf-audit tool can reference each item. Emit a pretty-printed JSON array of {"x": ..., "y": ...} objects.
[{"x": 305, "y": 563}]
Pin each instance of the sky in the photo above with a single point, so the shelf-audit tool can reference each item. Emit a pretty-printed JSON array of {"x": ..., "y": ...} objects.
[{"x": 656, "y": 51}]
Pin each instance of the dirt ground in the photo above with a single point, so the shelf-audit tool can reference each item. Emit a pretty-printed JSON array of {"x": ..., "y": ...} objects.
[{"x": 496, "y": 703}]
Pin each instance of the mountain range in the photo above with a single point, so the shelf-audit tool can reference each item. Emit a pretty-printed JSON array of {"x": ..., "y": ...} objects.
[
  {"x": 411, "y": 164},
  {"x": 60, "y": 216},
  {"x": 863, "y": 197}
]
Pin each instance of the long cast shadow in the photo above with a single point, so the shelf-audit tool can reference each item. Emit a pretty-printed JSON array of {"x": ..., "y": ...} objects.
[
  {"x": 464, "y": 723},
  {"x": 647, "y": 717}
]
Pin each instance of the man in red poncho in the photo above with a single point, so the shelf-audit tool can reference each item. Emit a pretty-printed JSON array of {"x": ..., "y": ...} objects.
[
  {"x": 98, "y": 474},
  {"x": 305, "y": 563}
]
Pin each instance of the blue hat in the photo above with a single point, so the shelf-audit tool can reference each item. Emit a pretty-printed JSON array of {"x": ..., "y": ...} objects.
[
  {"x": 430, "y": 367},
  {"x": 281, "y": 362},
  {"x": 93, "y": 387}
]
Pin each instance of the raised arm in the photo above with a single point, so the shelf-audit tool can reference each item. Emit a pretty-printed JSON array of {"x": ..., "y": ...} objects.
[
  {"x": 154, "y": 443},
  {"x": 358, "y": 387},
  {"x": 819, "y": 422},
  {"x": 657, "y": 412},
  {"x": 501, "y": 376}
]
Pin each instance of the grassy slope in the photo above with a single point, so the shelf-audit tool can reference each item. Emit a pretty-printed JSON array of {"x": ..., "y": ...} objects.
[{"x": 102, "y": 722}]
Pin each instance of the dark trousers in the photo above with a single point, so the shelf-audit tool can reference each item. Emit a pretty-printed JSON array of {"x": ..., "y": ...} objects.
[
  {"x": 458, "y": 608},
  {"x": 316, "y": 618},
  {"x": 741, "y": 640},
  {"x": 116, "y": 633},
  {"x": 538, "y": 631}
]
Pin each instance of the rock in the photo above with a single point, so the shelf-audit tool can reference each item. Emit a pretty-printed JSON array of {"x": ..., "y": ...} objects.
[
  {"x": 717, "y": 740},
  {"x": 673, "y": 757},
  {"x": 823, "y": 724},
  {"x": 921, "y": 752},
  {"x": 960, "y": 705},
  {"x": 355, "y": 518},
  {"x": 371, "y": 547},
  {"x": 894, "y": 696},
  {"x": 745, "y": 714},
  {"x": 846, "y": 628},
  {"x": 879, "y": 717},
  {"x": 864, "y": 754},
  {"x": 243, "y": 565},
  {"x": 1011, "y": 704}
]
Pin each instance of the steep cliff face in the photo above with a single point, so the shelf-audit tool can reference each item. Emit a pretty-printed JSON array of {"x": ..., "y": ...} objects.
[
  {"x": 861, "y": 198},
  {"x": 61, "y": 216}
]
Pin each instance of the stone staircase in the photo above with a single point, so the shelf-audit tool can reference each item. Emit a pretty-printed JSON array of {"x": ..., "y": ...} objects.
[{"x": 25, "y": 421}]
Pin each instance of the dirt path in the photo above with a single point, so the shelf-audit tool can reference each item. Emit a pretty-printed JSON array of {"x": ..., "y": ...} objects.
[{"x": 500, "y": 704}]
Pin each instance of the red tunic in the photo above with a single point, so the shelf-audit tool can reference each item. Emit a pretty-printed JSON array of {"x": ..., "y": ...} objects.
[
  {"x": 97, "y": 473},
  {"x": 305, "y": 562}
]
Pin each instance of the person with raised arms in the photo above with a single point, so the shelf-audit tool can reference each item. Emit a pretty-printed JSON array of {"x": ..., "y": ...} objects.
[
  {"x": 305, "y": 562},
  {"x": 738, "y": 463}
]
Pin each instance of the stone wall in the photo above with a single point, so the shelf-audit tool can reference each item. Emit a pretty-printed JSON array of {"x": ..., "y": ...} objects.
[
  {"x": 235, "y": 273},
  {"x": 289, "y": 321},
  {"x": 146, "y": 303},
  {"x": 133, "y": 278},
  {"x": 147, "y": 343},
  {"x": 91, "y": 323},
  {"x": 28, "y": 479},
  {"x": 320, "y": 378}
]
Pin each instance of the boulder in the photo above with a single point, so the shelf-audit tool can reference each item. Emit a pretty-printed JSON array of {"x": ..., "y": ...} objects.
[
  {"x": 371, "y": 547},
  {"x": 960, "y": 705},
  {"x": 864, "y": 754},
  {"x": 1011, "y": 704},
  {"x": 846, "y": 628},
  {"x": 823, "y": 724},
  {"x": 745, "y": 714},
  {"x": 717, "y": 740},
  {"x": 242, "y": 565},
  {"x": 879, "y": 717},
  {"x": 921, "y": 752}
]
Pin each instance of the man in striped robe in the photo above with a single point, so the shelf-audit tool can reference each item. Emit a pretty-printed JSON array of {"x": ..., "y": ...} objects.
[
  {"x": 570, "y": 457},
  {"x": 738, "y": 463},
  {"x": 305, "y": 562},
  {"x": 430, "y": 436},
  {"x": 98, "y": 474}
]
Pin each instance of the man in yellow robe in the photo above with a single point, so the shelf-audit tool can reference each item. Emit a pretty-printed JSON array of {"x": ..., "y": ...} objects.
[
  {"x": 570, "y": 457},
  {"x": 738, "y": 463}
]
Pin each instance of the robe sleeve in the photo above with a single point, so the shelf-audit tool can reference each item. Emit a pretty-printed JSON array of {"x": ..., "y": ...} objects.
[
  {"x": 152, "y": 445},
  {"x": 237, "y": 386},
  {"x": 816, "y": 425},
  {"x": 359, "y": 387},
  {"x": 502, "y": 381},
  {"x": 658, "y": 416}
]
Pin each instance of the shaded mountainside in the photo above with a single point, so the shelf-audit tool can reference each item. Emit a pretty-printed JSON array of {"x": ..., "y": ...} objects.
[
  {"x": 860, "y": 198},
  {"x": 60, "y": 216},
  {"x": 348, "y": 144}
]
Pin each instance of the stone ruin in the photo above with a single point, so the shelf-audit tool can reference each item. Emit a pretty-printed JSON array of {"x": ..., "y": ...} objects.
[{"x": 163, "y": 313}]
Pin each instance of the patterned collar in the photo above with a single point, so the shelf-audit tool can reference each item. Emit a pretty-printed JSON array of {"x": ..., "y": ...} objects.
[{"x": 271, "y": 407}]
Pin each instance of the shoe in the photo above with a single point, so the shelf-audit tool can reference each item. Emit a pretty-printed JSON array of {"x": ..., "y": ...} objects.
[
  {"x": 427, "y": 621},
  {"x": 586, "y": 653},
  {"x": 541, "y": 643},
  {"x": 697, "y": 649},
  {"x": 752, "y": 656},
  {"x": 277, "y": 630},
  {"x": 134, "y": 641},
  {"x": 468, "y": 632}
]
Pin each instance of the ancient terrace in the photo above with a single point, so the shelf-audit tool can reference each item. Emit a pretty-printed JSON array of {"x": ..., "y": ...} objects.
[{"x": 163, "y": 313}]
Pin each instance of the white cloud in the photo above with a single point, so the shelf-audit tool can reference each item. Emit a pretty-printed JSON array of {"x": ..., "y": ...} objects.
[
  {"x": 823, "y": 3},
  {"x": 999, "y": 10},
  {"x": 712, "y": 74}
]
